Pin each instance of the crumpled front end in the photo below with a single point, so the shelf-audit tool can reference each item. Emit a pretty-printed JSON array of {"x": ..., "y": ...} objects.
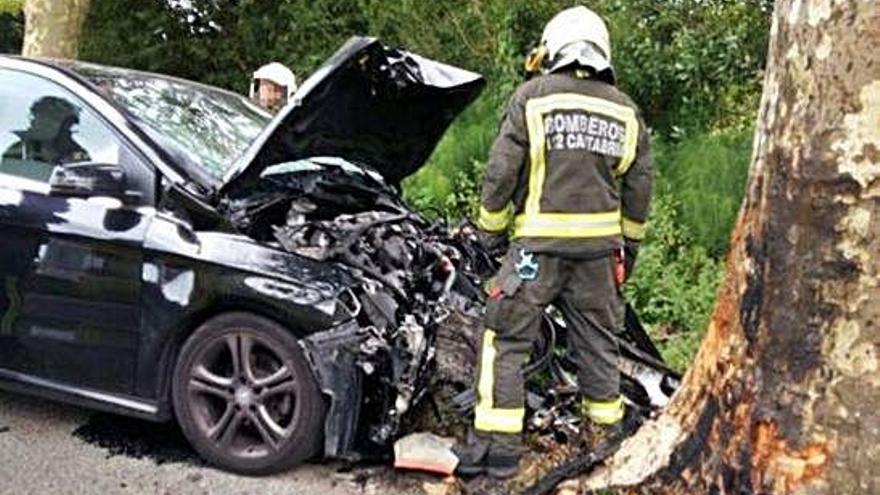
[{"x": 412, "y": 274}]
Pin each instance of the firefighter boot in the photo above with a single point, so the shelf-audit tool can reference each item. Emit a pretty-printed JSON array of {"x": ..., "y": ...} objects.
[
  {"x": 472, "y": 455},
  {"x": 603, "y": 421},
  {"x": 497, "y": 455},
  {"x": 598, "y": 433},
  {"x": 504, "y": 455},
  {"x": 594, "y": 434}
]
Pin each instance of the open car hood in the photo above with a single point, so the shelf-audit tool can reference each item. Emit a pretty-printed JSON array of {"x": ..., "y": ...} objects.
[{"x": 373, "y": 105}]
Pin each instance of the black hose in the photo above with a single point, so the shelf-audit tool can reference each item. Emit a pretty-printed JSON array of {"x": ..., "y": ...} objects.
[
  {"x": 542, "y": 362},
  {"x": 578, "y": 318}
]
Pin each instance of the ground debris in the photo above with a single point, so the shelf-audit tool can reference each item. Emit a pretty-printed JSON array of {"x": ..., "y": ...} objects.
[{"x": 425, "y": 452}]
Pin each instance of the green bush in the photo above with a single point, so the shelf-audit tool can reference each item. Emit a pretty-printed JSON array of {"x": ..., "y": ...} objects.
[
  {"x": 11, "y": 31},
  {"x": 674, "y": 285},
  {"x": 451, "y": 182},
  {"x": 11, "y": 6},
  {"x": 689, "y": 64},
  {"x": 706, "y": 174}
]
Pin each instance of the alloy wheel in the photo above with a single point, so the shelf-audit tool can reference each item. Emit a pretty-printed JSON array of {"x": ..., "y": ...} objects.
[{"x": 243, "y": 395}]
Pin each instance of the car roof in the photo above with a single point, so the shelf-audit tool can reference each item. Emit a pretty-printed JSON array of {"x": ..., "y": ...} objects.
[{"x": 71, "y": 67}]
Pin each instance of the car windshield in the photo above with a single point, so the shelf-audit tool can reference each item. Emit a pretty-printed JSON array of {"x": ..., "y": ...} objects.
[{"x": 208, "y": 126}]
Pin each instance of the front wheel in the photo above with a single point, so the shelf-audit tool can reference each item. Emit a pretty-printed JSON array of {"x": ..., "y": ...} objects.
[{"x": 245, "y": 396}]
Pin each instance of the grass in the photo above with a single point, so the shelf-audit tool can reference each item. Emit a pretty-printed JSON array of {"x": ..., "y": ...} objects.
[
  {"x": 674, "y": 285},
  {"x": 449, "y": 185},
  {"x": 706, "y": 174}
]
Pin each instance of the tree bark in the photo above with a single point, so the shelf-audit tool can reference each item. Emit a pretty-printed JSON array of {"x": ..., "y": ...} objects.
[
  {"x": 784, "y": 395},
  {"x": 53, "y": 27}
]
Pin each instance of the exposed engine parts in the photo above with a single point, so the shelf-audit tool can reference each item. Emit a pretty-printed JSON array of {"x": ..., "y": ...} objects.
[{"x": 415, "y": 275}]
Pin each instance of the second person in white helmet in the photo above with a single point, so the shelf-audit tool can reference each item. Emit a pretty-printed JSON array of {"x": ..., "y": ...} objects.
[{"x": 272, "y": 85}]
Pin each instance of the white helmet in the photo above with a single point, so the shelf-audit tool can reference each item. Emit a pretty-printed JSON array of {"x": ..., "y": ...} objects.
[
  {"x": 577, "y": 35},
  {"x": 278, "y": 74}
]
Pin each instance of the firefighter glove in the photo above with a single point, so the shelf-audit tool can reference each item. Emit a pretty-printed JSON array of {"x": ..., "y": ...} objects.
[
  {"x": 495, "y": 243},
  {"x": 631, "y": 250}
]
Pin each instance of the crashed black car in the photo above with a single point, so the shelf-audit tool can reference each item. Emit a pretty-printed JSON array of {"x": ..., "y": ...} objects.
[{"x": 170, "y": 251}]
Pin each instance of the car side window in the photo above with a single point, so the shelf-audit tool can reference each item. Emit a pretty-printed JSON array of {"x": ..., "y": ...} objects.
[{"x": 43, "y": 125}]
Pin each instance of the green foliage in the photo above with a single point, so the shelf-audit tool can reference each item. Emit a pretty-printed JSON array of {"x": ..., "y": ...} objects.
[
  {"x": 685, "y": 62},
  {"x": 11, "y": 32},
  {"x": 222, "y": 41},
  {"x": 674, "y": 284},
  {"x": 689, "y": 63},
  {"x": 706, "y": 174},
  {"x": 451, "y": 183},
  {"x": 11, "y": 6}
]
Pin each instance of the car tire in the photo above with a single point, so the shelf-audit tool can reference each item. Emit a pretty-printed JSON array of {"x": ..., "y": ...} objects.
[{"x": 245, "y": 396}]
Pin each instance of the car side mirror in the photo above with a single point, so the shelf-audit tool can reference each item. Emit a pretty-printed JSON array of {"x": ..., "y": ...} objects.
[{"x": 86, "y": 180}]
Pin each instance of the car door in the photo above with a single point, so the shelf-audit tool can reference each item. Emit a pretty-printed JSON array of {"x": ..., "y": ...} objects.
[{"x": 70, "y": 267}]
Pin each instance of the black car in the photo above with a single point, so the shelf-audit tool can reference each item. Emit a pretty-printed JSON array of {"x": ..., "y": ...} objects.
[{"x": 170, "y": 251}]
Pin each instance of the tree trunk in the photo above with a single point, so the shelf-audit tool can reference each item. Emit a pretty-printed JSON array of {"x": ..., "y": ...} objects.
[
  {"x": 784, "y": 395},
  {"x": 53, "y": 27}
]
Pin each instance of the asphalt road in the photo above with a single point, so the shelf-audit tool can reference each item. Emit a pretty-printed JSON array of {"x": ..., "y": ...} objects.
[{"x": 52, "y": 448}]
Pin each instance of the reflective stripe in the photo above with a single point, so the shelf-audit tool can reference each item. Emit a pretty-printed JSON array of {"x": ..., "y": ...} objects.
[
  {"x": 495, "y": 221},
  {"x": 533, "y": 221},
  {"x": 568, "y": 225},
  {"x": 634, "y": 230},
  {"x": 488, "y": 418},
  {"x": 499, "y": 420},
  {"x": 605, "y": 413}
]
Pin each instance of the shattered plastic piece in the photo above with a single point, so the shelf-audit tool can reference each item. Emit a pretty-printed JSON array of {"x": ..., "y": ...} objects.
[{"x": 425, "y": 452}]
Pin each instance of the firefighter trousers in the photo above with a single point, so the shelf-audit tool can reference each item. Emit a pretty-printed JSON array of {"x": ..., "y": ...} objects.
[{"x": 513, "y": 320}]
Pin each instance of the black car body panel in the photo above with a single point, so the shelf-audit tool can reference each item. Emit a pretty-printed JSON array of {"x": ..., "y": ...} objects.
[
  {"x": 97, "y": 296},
  {"x": 369, "y": 104}
]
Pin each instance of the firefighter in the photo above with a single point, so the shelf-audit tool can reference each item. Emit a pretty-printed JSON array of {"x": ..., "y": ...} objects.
[
  {"x": 569, "y": 178},
  {"x": 272, "y": 86}
]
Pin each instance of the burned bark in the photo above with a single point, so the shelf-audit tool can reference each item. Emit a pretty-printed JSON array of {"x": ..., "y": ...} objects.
[
  {"x": 53, "y": 28},
  {"x": 784, "y": 393}
]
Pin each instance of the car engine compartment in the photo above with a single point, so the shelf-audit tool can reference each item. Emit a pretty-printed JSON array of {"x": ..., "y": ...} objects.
[
  {"x": 414, "y": 274},
  {"x": 416, "y": 311}
]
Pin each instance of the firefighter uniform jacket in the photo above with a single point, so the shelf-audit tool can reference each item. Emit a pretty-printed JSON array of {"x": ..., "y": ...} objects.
[{"x": 570, "y": 171}]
